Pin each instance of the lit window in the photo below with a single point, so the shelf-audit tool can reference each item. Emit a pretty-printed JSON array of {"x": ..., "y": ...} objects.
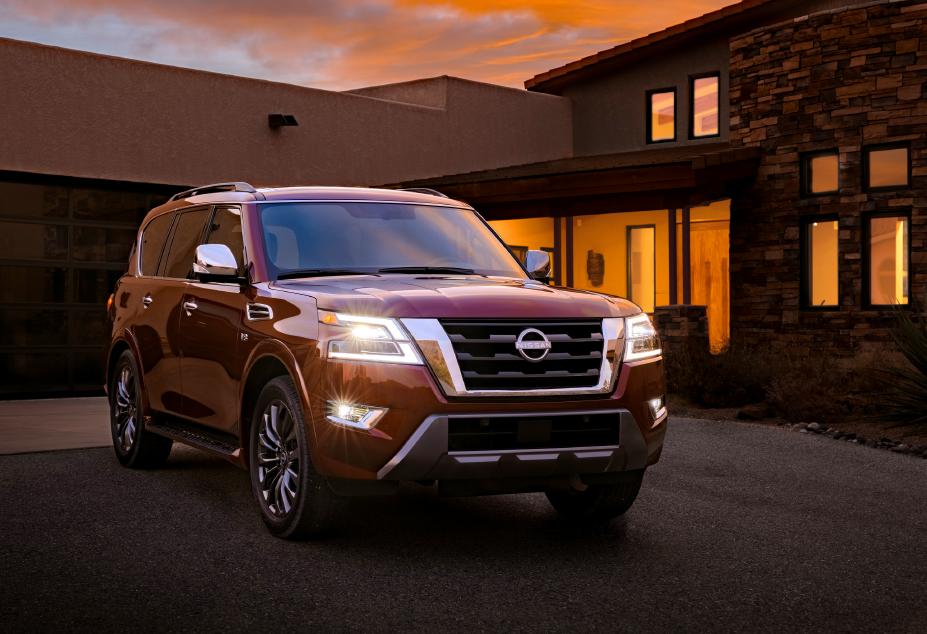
[
  {"x": 888, "y": 260},
  {"x": 887, "y": 167},
  {"x": 822, "y": 262},
  {"x": 661, "y": 116},
  {"x": 704, "y": 94},
  {"x": 821, "y": 173}
]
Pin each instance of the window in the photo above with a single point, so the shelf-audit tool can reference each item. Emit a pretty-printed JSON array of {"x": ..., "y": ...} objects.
[
  {"x": 186, "y": 237},
  {"x": 821, "y": 280},
  {"x": 886, "y": 166},
  {"x": 642, "y": 263},
  {"x": 704, "y": 105},
  {"x": 153, "y": 238},
  {"x": 661, "y": 115},
  {"x": 820, "y": 173},
  {"x": 888, "y": 250},
  {"x": 226, "y": 229}
]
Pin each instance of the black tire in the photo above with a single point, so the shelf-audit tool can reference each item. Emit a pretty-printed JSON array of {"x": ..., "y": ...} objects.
[
  {"x": 295, "y": 501},
  {"x": 135, "y": 447},
  {"x": 599, "y": 502}
]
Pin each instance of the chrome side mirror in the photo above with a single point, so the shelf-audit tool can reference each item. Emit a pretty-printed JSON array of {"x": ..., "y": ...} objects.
[
  {"x": 215, "y": 261},
  {"x": 538, "y": 265}
]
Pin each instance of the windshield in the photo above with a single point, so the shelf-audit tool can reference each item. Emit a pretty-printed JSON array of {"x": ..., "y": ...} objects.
[{"x": 370, "y": 237}]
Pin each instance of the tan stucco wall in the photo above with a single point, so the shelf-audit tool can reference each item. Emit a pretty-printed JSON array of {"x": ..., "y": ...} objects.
[{"x": 77, "y": 114}]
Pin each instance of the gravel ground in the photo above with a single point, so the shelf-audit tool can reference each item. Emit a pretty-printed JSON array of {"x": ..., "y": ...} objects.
[{"x": 740, "y": 527}]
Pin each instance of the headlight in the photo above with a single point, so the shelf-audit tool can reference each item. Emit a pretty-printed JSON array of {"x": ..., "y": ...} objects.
[
  {"x": 370, "y": 339},
  {"x": 641, "y": 339}
]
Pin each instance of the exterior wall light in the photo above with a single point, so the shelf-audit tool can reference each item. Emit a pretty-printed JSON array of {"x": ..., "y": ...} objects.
[{"x": 277, "y": 120}]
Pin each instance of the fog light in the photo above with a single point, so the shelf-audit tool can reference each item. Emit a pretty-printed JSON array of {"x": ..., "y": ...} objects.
[
  {"x": 657, "y": 407},
  {"x": 354, "y": 415}
]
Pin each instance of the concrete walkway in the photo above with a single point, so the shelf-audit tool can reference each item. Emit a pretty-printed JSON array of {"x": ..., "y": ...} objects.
[{"x": 51, "y": 424}]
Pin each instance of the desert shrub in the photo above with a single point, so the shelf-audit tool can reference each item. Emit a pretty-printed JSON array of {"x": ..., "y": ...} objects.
[
  {"x": 903, "y": 393},
  {"x": 730, "y": 379}
]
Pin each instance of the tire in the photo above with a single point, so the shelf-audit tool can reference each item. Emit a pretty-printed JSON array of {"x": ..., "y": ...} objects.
[
  {"x": 135, "y": 447},
  {"x": 599, "y": 502},
  {"x": 295, "y": 501}
]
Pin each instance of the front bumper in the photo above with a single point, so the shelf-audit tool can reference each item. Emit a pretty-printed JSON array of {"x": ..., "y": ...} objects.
[{"x": 425, "y": 456}]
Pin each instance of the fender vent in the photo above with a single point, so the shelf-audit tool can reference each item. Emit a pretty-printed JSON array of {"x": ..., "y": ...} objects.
[{"x": 259, "y": 312}]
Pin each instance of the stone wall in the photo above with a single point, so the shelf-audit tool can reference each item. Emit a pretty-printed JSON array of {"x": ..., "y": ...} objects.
[{"x": 843, "y": 79}]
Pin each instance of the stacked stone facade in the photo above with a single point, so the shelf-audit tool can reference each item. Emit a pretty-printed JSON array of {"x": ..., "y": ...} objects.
[{"x": 840, "y": 80}]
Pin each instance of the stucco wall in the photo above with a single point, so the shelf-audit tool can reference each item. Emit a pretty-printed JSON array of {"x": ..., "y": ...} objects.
[
  {"x": 839, "y": 80},
  {"x": 77, "y": 114}
]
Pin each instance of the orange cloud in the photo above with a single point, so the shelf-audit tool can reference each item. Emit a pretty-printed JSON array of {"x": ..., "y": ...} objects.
[{"x": 348, "y": 43}]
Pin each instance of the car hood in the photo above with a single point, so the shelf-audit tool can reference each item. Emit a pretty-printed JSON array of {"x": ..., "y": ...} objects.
[{"x": 465, "y": 296}]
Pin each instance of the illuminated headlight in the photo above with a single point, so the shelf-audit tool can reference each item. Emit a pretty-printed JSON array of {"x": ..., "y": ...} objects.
[
  {"x": 657, "y": 407},
  {"x": 354, "y": 415},
  {"x": 370, "y": 339},
  {"x": 641, "y": 339}
]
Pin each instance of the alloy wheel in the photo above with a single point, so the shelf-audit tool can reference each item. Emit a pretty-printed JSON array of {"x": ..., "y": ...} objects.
[
  {"x": 125, "y": 409},
  {"x": 278, "y": 459}
]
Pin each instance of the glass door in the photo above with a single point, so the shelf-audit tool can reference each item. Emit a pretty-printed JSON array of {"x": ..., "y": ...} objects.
[{"x": 642, "y": 262}]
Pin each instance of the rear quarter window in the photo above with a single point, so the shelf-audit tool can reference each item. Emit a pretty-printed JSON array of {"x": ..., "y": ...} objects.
[{"x": 153, "y": 239}]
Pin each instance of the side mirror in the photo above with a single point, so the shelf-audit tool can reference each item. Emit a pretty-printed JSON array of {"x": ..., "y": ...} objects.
[
  {"x": 215, "y": 263},
  {"x": 538, "y": 265}
]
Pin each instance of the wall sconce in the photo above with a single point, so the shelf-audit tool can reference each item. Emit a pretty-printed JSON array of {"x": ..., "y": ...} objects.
[{"x": 278, "y": 120}]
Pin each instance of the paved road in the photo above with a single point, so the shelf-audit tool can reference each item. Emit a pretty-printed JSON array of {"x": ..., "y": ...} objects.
[
  {"x": 54, "y": 423},
  {"x": 739, "y": 528}
]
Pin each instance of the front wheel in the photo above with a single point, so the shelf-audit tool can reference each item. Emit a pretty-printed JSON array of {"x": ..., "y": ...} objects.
[
  {"x": 135, "y": 447},
  {"x": 598, "y": 502},
  {"x": 296, "y": 502}
]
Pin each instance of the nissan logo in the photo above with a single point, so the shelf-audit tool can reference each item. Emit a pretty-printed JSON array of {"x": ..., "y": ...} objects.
[{"x": 533, "y": 345}]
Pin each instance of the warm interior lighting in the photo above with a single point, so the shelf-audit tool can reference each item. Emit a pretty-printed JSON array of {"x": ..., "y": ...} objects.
[
  {"x": 823, "y": 174},
  {"x": 642, "y": 267},
  {"x": 888, "y": 168},
  {"x": 705, "y": 106},
  {"x": 663, "y": 116},
  {"x": 888, "y": 261},
  {"x": 823, "y": 263}
]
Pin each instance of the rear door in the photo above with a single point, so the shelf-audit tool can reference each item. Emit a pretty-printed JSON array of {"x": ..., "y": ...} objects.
[{"x": 210, "y": 327}]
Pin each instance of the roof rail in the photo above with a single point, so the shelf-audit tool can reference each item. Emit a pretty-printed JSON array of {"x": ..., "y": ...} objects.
[
  {"x": 424, "y": 190},
  {"x": 238, "y": 186}
]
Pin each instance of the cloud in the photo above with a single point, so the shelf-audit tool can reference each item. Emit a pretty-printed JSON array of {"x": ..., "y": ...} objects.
[{"x": 347, "y": 43}]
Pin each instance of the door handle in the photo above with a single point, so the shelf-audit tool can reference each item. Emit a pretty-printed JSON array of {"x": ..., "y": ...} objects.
[
  {"x": 190, "y": 306},
  {"x": 146, "y": 301}
]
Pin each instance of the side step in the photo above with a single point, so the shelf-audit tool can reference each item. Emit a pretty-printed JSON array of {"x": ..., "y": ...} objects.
[{"x": 197, "y": 436}]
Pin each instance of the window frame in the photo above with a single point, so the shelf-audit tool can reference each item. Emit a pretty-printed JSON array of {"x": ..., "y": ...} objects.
[
  {"x": 139, "y": 250},
  {"x": 627, "y": 248},
  {"x": 806, "y": 173},
  {"x": 648, "y": 107},
  {"x": 170, "y": 241},
  {"x": 867, "y": 257},
  {"x": 806, "y": 277},
  {"x": 866, "y": 157},
  {"x": 692, "y": 79}
]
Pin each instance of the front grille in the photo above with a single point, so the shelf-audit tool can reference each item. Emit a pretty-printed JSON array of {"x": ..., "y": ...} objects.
[
  {"x": 488, "y": 358},
  {"x": 497, "y": 433}
]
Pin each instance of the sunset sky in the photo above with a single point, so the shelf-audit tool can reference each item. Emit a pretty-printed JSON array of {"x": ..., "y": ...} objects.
[{"x": 340, "y": 44}]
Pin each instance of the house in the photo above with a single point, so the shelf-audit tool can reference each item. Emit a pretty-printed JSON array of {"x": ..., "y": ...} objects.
[{"x": 758, "y": 174}]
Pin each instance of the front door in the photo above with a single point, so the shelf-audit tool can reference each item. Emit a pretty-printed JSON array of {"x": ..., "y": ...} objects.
[{"x": 210, "y": 329}]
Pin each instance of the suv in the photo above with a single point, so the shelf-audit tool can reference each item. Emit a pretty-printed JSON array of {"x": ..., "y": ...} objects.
[{"x": 339, "y": 341}]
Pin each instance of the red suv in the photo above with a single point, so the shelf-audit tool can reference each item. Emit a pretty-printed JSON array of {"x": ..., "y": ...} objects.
[{"x": 339, "y": 341}]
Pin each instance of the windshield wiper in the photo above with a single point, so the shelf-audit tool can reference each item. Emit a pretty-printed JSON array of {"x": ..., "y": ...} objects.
[
  {"x": 427, "y": 269},
  {"x": 289, "y": 275}
]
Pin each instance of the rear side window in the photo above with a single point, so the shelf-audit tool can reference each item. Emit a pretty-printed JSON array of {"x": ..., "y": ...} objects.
[
  {"x": 226, "y": 229},
  {"x": 153, "y": 238},
  {"x": 188, "y": 230}
]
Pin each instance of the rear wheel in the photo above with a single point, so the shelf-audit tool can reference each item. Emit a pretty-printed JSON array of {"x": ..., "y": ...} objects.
[
  {"x": 135, "y": 447},
  {"x": 598, "y": 502},
  {"x": 296, "y": 502}
]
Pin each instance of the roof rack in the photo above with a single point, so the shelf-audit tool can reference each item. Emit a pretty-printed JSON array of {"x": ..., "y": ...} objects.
[
  {"x": 238, "y": 186},
  {"x": 424, "y": 190}
]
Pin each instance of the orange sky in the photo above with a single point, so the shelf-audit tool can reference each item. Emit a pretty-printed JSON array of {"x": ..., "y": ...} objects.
[{"x": 347, "y": 43}]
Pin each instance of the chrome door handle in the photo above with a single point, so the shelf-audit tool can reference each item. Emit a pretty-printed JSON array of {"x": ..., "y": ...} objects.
[
  {"x": 146, "y": 301},
  {"x": 190, "y": 306}
]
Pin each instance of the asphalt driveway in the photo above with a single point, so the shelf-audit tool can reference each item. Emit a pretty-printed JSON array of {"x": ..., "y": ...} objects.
[{"x": 739, "y": 528}]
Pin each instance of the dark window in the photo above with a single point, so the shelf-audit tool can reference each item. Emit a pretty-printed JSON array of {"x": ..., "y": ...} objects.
[
  {"x": 109, "y": 205},
  {"x": 153, "y": 238},
  {"x": 821, "y": 256},
  {"x": 33, "y": 241},
  {"x": 704, "y": 105},
  {"x": 186, "y": 236},
  {"x": 226, "y": 229},
  {"x": 37, "y": 284},
  {"x": 93, "y": 286},
  {"x": 33, "y": 327},
  {"x": 99, "y": 244},
  {"x": 888, "y": 248},
  {"x": 887, "y": 167},
  {"x": 821, "y": 173},
  {"x": 31, "y": 200},
  {"x": 661, "y": 115}
]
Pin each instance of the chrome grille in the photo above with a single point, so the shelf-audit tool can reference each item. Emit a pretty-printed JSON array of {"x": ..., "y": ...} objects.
[{"x": 489, "y": 360}]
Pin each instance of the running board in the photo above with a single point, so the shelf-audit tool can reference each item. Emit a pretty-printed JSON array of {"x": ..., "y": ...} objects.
[{"x": 197, "y": 436}]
